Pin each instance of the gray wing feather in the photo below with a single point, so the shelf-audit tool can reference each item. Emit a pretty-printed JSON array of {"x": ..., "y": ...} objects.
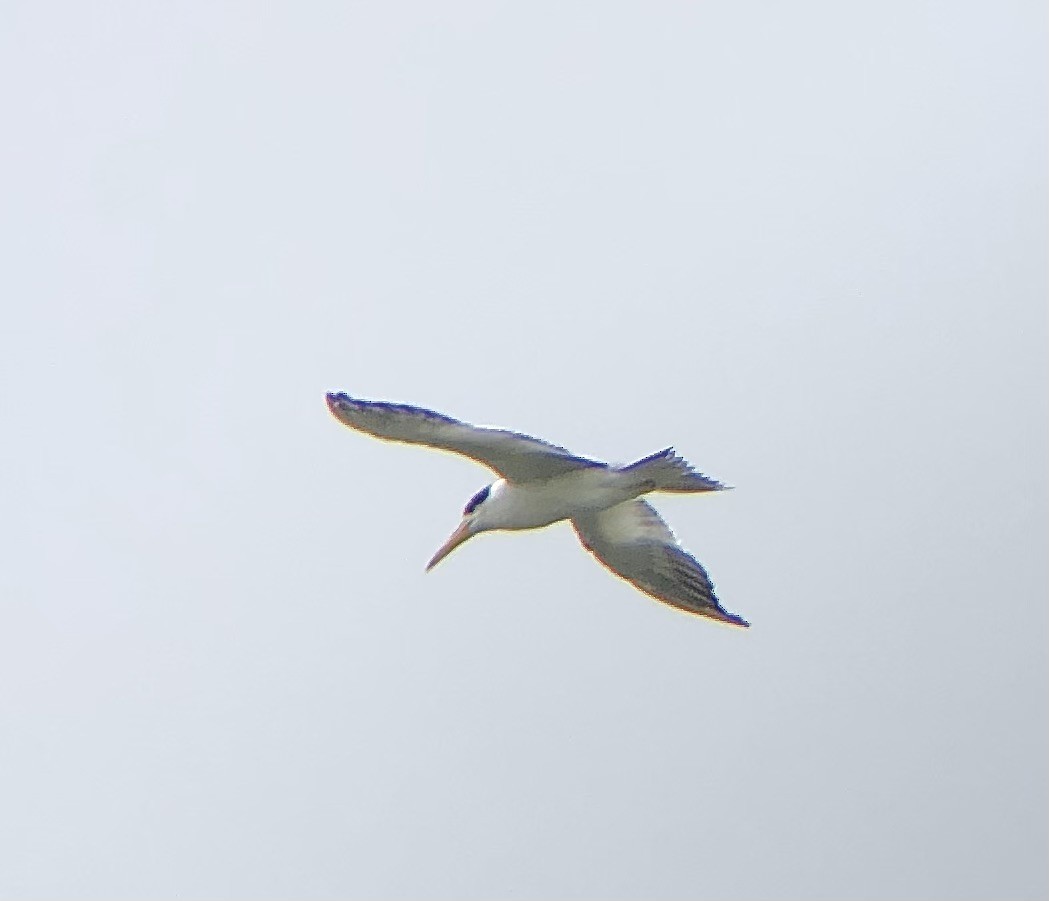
[
  {"x": 516, "y": 457},
  {"x": 633, "y": 541}
]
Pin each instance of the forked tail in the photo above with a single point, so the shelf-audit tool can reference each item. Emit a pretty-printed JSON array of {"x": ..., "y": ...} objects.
[{"x": 666, "y": 471}]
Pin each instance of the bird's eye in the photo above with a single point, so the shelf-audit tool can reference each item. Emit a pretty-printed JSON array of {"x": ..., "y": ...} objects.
[{"x": 476, "y": 500}]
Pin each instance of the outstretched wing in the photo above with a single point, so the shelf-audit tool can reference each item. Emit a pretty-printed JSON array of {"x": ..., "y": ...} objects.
[
  {"x": 632, "y": 540},
  {"x": 516, "y": 457}
]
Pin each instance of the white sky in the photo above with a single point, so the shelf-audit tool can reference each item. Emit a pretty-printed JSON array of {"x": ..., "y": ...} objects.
[{"x": 804, "y": 243}]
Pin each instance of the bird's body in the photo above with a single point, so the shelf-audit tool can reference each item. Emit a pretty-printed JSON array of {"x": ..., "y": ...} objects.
[
  {"x": 541, "y": 502},
  {"x": 542, "y": 484}
]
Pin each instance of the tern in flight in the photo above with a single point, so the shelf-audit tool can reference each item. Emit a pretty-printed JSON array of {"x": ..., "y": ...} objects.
[{"x": 542, "y": 483}]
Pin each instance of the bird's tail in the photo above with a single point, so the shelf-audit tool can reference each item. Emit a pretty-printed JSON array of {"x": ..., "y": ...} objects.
[{"x": 666, "y": 471}]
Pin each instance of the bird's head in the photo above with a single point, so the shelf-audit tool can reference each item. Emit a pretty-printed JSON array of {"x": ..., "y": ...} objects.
[{"x": 476, "y": 518}]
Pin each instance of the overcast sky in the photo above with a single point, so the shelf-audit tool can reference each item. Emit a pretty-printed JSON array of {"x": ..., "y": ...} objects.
[{"x": 804, "y": 243}]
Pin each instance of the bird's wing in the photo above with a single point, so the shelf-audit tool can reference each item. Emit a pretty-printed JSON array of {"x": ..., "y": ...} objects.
[
  {"x": 516, "y": 457},
  {"x": 632, "y": 540}
]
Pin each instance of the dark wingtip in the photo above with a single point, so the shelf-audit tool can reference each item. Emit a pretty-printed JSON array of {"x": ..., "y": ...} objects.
[
  {"x": 731, "y": 619},
  {"x": 335, "y": 400}
]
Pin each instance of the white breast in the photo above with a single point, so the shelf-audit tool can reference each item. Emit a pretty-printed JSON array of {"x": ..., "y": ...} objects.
[{"x": 531, "y": 505}]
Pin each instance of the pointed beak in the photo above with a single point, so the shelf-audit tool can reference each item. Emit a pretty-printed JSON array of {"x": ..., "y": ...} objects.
[{"x": 454, "y": 540}]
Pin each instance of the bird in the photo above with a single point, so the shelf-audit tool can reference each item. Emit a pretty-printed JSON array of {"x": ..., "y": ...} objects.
[{"x": 541, "y": 483}]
